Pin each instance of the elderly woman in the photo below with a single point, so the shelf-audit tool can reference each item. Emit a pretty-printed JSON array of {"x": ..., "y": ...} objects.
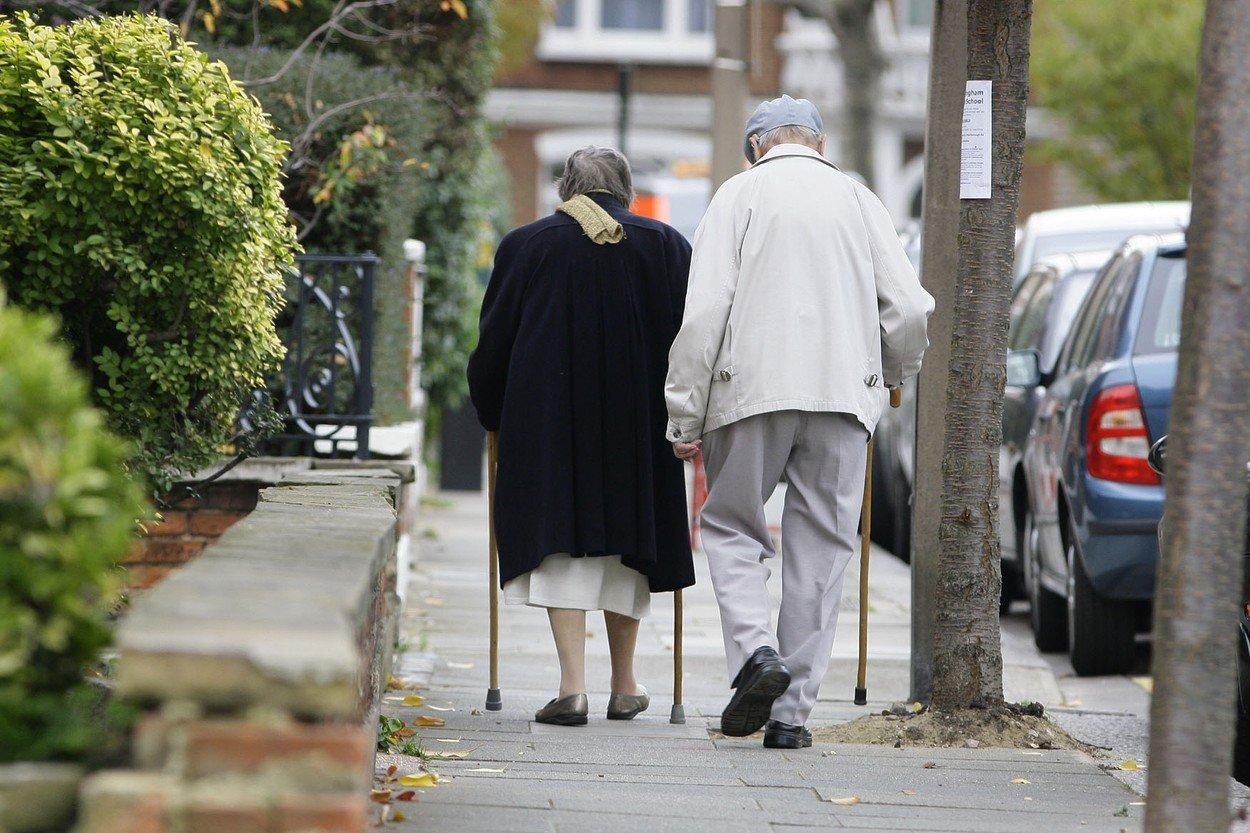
[{"x": 569, "y": 369}]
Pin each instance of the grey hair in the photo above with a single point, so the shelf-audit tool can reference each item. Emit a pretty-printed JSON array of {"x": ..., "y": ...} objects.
[
  {"x": 788, "y": 134},
  {"x": 597, "y": 169}
]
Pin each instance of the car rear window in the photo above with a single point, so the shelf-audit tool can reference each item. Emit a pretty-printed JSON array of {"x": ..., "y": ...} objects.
[{"x": 1160, "y": 329}]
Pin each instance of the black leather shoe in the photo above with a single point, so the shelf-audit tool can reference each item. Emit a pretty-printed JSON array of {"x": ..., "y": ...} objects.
[
  {"x": 778, "y": 735},
  {"x": 763, "y": 678}
]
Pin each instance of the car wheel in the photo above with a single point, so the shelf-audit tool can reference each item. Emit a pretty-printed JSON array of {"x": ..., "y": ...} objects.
[
  {"x": 1241, "y": 746},
  {"x": 1101, "y": 631},
  {"x": 1047, "y": 611},
  {"x": 901, "y": 524},
  {"x": 882, "y": 532}
]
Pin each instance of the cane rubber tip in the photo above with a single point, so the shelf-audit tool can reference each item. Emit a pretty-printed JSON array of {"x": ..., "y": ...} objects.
[
  {"x": 861, "y": 696},
  {"x": 494, "y": 700},
  {"x": 678, "y": 714}
]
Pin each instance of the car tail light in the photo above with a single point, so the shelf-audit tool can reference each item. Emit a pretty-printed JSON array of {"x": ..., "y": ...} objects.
[{"x": 1116, "y": 442}]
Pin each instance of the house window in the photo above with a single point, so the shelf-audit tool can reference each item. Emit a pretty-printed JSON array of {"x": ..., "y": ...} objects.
[
  {"x": 918, "y": 14},
  {"x": 636, "y": 31},
  {"x": 699, "y": 15},
  {"x": 645, "y": 15}
]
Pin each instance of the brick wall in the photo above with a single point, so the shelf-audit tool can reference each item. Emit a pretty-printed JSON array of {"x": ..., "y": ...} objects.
[
  {"x": 237, "y": 736},
  {"x": 182, "y": 533}
]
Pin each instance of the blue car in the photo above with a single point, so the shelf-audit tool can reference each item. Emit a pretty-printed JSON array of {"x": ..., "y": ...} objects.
[{"x": 1093, "y": 501}]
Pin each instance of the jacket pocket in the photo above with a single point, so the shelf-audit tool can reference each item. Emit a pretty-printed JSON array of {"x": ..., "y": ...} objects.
[{"x": 727, "y": 392}]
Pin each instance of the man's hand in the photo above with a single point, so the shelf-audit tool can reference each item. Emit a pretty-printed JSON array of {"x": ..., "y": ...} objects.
[{"x": 687, "y": 451}]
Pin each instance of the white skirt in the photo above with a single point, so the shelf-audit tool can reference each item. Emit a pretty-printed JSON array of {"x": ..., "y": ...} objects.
[{"x": 597, "y": 582}]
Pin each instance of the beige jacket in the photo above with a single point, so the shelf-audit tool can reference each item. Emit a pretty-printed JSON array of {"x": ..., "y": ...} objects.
[{"x": 800, "y": 298}]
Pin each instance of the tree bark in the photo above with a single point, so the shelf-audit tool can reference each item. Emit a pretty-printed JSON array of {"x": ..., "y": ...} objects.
[
  {"x": 967, "y": 651},
  {"x": 1200, "y": 567},
  {"x": 859, "y": 53}
]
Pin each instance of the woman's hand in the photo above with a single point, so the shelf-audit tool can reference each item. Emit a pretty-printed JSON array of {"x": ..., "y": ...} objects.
[{"x": 687, "y": 451}]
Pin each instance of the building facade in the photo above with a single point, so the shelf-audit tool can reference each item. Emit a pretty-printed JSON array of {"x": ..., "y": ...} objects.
[{"x": 568, "y": 96}]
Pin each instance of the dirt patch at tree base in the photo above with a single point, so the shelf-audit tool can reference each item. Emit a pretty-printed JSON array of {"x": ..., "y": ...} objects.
[{"x": 1008, "y": 725}]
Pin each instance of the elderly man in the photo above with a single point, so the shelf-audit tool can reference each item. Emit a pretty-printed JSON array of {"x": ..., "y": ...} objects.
[{"x": 801, "y": 310}]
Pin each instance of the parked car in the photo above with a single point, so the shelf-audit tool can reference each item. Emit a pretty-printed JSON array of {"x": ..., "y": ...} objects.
[
  {"x": 1091, "y": 228},
  {"x": 1093, "y": 502},
  {"x": 1241, "y": 741},
  {"x": 1042, "y": 311}
]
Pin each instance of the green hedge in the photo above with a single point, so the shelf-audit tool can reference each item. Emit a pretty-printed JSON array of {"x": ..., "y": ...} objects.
[
  {"x": 371, "y": 209},
  {"x": 450, "y": 195},
  {"x": 140, "y": 200},
  {"x": 67, "y": 516}
]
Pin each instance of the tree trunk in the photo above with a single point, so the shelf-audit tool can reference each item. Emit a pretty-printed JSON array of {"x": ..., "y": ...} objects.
[
  {"x": 1200, "y": 566},
  {"x": 862, "y": 66},
  {"x": 967, "y": 652}
]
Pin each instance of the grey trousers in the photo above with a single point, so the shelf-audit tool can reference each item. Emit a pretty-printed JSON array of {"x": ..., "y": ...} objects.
[{"x": 821, "y": 456}]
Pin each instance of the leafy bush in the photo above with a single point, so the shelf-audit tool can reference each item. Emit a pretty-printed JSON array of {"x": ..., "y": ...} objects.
[
  {"x": 67, "y": 515},
  {"x": 141, "y": 201},
  {"x": 348, "y": 198}
]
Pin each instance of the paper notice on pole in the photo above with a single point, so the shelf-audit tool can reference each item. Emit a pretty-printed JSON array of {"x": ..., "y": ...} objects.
[{"x": 975, "y": 155}]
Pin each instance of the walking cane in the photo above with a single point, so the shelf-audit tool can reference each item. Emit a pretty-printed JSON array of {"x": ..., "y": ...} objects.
[
  {"x": 494, "y": 700},
  {"x": 865, "y": 546},
  {"x": 678, "y": 714}
]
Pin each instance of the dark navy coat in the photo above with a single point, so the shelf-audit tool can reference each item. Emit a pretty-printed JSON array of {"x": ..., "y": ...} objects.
[{"x": 569, "y": 369}]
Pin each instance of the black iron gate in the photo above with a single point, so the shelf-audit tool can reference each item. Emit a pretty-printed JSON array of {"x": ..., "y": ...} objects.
[{"x": 325, "y": 394}]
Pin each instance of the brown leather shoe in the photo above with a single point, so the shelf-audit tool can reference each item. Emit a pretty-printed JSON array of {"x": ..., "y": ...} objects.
[
  {"x": 565, "y": 711},
  {"x": 628, "y": 706}
]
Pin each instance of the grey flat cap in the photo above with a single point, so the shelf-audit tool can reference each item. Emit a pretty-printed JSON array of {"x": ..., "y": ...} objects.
[{"x": 778, "y": 113}]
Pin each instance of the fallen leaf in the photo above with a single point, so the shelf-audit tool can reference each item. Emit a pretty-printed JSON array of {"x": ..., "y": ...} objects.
[
  {"x": 421, "y": 779},
  {"x": 845, "y": 802},
  {"x": 413, "y": 700},
  {"x": 441, "y": 708},
  {"x": 380, "y": 796},
  {"x": 406, "y": 795},
  {"x": 405, "y": 732},
  {"x": 427, "y": 720},
  {"x": 390, "y": 770},
  {"x": 464, "y": 666},
  {"x": 930, "y": 765},
  {"x": 1130, "y": 765},
  {"x": 908, "y": 792},
  {"x": 475, "y": 711},
  {"x": 398, "y": 816},
  {"x": 1021, "y": 781},
  {"x": 916, "y": 708}
]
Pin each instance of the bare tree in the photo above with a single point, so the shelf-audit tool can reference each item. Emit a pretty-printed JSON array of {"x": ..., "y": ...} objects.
[
  {"x": 967, "y": 652},
  {"x": 859, "y": 52},
  {"x": 1196, "y": 600}
]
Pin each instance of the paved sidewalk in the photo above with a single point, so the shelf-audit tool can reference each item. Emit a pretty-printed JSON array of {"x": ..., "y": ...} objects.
[{"x": 648, "y": 775}]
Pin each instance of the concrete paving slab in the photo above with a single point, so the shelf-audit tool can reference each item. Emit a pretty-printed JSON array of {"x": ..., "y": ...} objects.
[{"x": 648, "y": 775}]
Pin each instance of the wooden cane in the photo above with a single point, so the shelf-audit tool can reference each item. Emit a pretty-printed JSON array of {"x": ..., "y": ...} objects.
[
  {"x": 494, "y": 700},
  {"x": 865, "y": 548},
  {"x": 678, "y": 714}
]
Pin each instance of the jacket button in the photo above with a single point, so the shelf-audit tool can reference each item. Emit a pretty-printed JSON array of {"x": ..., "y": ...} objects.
[{"x": 871, "y": 380}]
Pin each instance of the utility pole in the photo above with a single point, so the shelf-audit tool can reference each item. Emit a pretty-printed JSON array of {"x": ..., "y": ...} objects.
[
  {"x": 1200, "y": 583},
  {"x": 948, "y": 72},
  {"x": 729, "y": 88},
  {"x": 624, "y": 92}
]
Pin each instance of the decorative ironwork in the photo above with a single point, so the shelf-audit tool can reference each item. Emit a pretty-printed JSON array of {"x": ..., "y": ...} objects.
[{"x": 325, "y": 396}]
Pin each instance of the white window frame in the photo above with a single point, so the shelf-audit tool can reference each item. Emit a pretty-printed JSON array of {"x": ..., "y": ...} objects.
[{"x": 586, "y": 40}]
